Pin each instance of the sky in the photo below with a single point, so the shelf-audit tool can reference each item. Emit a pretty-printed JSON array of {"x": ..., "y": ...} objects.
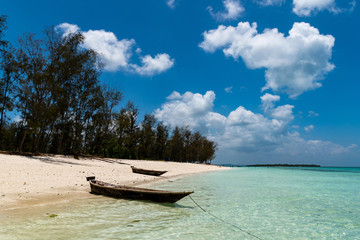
[{"x": 270, "y": 81}]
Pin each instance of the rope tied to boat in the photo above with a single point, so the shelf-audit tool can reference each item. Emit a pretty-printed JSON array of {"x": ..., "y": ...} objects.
[{"x": 231, "y": 224}]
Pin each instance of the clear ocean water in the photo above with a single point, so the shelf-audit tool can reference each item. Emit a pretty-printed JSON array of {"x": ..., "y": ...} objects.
[{"x": 242, "y": 203}]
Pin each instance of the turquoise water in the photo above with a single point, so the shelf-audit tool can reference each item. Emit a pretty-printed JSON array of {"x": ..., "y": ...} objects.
[{"x": 269, "y": 203}]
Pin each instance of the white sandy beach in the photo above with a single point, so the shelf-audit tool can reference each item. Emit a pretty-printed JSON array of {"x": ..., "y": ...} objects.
[{"x": 41, "y": 180}]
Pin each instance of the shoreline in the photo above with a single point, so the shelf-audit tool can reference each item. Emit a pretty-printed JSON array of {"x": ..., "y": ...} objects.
[{"x": 33, "y": 181}]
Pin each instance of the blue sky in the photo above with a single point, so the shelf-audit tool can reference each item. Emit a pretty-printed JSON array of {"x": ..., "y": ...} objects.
[{"x": 271, "y": 81}]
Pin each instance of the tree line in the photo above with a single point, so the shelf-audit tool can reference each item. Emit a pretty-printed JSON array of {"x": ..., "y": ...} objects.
[{"x": 53, "y": 85}]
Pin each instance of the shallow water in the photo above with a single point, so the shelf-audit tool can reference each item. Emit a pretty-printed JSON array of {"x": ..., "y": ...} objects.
[{"x": 242, "y": 203}]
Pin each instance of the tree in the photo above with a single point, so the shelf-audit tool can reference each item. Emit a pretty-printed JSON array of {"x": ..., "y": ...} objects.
[
  {"x": 69, "y": 64},
  {"x": 3, "y": 27},
  {"x": 7, "y": 86},
  {"x": 53, "y": 82},
  {"x": 127, "y": 131},
  {"x": 147, "y": 137},
  {"x": 132, "y": 130},
  {"x": 196, "y": 146},
  {"x": 100, "y": 135},
  {"x": 207, "y": 152},
  {"x": 58, "y": 89},
  {"x": 161, "y": 139},
  {"x": 176, "y": 146},
  {"x": 33, "y": 92},
  {"x": 186, "y": 136}
]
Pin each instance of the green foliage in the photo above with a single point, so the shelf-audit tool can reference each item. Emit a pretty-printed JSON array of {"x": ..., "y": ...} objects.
[
  {"x": 161, "y": 142},
  {"x": 7, "y": 87},
  {"x": 147, "y": 138}
]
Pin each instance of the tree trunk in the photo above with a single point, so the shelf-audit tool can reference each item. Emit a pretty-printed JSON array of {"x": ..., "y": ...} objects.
[
  {"x": 23, "y": 139},
  {"x": 44, "y": 146},
  {"x": 3, "y": 108},
  {"x": 38, "y": 140},
  {"x": 61, "y": 138}
]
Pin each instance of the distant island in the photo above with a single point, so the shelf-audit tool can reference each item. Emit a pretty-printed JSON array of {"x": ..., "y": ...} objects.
[{"x": 283, "y": 165}]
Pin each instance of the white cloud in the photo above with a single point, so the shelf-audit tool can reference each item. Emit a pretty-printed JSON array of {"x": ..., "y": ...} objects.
[
  {"x": 171, "y": 3},
  {"x": 150, "y": 66},
  {"x": 309, "y": 128},
  {"x": 233, "y": 10},
  {"x": 283, "y": 113},
  {"x": 296, "y": 145},
  {"x": 269, "y": 2},
  {"x": 250, "y": 132},
  {"x": 242, "y": 130},
  {"x": 294, "y": 64},
  {"x": 268, "y": 100},
  {"x": 306, "y": 8},
  {"x": 68, "y": 28},
  {"x": 116, "y": 54},
  {"x": 228, "y": 89},
  {"x": 174, "y": 95},
  {"x": 187, "y": 109}
]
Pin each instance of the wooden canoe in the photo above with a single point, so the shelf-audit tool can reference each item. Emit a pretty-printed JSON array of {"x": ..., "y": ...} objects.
[
  {"x": 147, "y": 171},
  {"x": 134, "y": 193}
]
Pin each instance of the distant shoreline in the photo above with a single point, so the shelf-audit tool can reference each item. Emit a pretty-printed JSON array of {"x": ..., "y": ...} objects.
[{"x": 283, "y": 165}]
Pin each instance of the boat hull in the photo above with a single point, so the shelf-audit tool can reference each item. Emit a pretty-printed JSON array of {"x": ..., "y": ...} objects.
[
  {"x": 147, "y": 172},
  {"x": 134, "y": 193}
]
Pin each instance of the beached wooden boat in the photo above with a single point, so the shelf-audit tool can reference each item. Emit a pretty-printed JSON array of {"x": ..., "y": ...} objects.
[
  {"x": 147, "y": 171},
  {"x": 134, "y": 193}
]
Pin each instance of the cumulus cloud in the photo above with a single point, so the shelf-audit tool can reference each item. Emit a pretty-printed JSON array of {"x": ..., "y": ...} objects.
[
  {"x": 68, "y": 28},
  {"x": 294, "y": 145},
  {"x": 174, "y": 95},
  {"x": 269, "y": 2},
  {"x": 116, "y": 54},
  {"x": 242, "y": 130},
  {"x": 268, "y": 100},
  {"x": 156, "y": 65},
  {"x": 233, "y": 10},
  {"x": 305, "y": 8},
  {"x": 187, "y": 109},
  {"x": 283, "y": 113},
  {"x": 294, "y": 64}
]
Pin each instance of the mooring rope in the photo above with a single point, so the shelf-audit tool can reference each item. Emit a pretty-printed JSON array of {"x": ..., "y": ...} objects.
[{"x": 224, "y": 220}]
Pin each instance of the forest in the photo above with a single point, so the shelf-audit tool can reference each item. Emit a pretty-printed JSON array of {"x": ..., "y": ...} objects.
[{"x": 52, "y": 101}]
